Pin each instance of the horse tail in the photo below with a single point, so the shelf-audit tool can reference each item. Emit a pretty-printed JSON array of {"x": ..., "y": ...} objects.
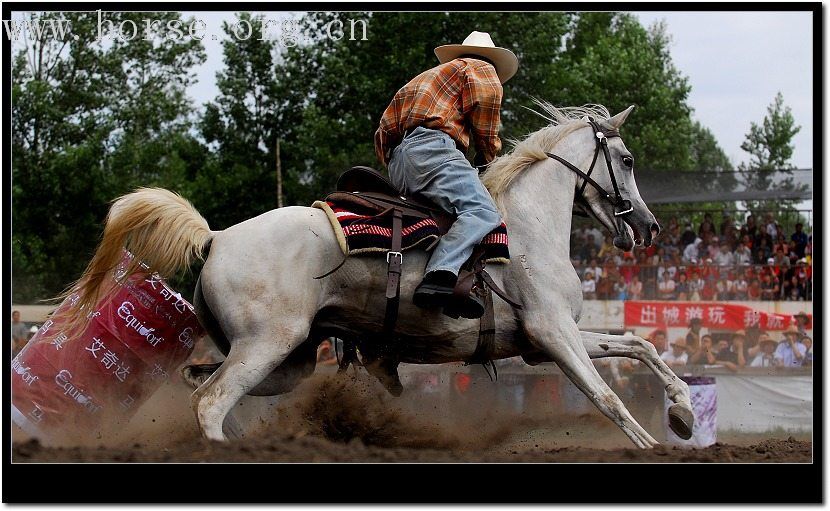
[{"x": 159, "y": 227}]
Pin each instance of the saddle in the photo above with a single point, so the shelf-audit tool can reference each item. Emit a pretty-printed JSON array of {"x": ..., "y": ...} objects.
[{"x": 367, "y": 189}]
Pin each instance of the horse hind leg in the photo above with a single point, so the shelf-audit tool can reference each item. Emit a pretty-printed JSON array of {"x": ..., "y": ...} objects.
[
  {"x": 297, "y": 366},
  {"x": 249, "y": 362},
  {"x": 564, "y": 345}
]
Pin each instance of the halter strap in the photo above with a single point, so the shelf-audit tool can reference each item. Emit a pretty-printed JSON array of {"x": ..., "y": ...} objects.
[{"x": 602, "y": 137}]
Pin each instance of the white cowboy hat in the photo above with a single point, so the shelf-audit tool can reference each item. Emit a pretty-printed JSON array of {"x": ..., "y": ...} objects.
[{"x": 480, "y": 43}]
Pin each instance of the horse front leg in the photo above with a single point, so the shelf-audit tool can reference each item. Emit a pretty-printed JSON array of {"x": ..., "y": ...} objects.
[
  {"x": 560, "y": 339},
  {"x": 681, "y": 417}
]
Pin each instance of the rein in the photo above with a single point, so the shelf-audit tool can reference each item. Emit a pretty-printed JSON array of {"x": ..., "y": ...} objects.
[{"x": 621, "y": 206}]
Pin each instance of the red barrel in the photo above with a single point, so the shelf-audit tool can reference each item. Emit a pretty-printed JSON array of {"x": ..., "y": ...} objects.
[{"x": 137, "y": 337}]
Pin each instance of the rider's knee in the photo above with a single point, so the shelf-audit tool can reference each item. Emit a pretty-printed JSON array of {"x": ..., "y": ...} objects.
[{"x": 491, "y": 217}]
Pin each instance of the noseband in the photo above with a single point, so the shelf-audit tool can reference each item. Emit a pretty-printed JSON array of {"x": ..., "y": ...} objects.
[{"x": 621, "y": 206}]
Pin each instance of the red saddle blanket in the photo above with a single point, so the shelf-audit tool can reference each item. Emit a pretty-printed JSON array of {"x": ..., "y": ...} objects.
[{"x": 359, "y": 233}]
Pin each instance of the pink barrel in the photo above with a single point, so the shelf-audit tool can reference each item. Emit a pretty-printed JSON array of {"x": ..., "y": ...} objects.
[{"x": 135, "y": 340}]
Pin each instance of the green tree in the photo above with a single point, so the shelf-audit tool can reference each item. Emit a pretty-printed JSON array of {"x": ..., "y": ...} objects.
[
  {"x": 241, "y": 124},
  {"x": 770, "y": 147},
  {"x": 90, "y": 121}
]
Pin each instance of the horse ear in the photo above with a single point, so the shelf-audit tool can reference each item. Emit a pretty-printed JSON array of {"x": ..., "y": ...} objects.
[{"x": 618, "y": 120}]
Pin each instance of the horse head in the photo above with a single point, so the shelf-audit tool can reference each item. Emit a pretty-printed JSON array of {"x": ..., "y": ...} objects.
[{"x": 613, "y": 198}]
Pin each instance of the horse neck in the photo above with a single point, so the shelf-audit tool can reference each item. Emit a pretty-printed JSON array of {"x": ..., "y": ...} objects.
[{"x": 539, "y": 205}]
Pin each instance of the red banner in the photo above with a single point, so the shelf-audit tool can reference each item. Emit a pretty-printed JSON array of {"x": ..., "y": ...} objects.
[{"x": 715, "y": 315}]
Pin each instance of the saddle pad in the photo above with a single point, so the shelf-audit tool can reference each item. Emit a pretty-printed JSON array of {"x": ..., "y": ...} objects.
[{"x": 359, "y": 233}]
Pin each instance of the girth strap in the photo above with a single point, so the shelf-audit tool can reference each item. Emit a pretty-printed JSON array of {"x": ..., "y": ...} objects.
[
  {"x": 394, "y": 260},
  {"x": 499, "y": 291}
]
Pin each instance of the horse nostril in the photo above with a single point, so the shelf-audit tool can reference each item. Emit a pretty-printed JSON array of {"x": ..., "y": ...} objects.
[{"x": 655, "y": 229}]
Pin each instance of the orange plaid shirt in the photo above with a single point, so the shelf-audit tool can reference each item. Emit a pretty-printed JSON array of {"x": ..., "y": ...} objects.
[{"x": 457, "y": 97}]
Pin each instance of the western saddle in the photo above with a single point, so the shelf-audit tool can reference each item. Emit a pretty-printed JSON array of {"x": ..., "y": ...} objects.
[{"x": 368, "y": 189}]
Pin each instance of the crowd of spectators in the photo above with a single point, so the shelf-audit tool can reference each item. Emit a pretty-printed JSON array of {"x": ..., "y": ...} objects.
[
  {"x": 743, "y": 348},
  {"x": 751, "y": 261}
]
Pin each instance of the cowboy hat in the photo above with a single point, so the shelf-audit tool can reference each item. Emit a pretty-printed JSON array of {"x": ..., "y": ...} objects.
[
  {"x": 765, "y": 338},
  {"x": 792, "y": 330},
  {"x": 802, "y": 314},
  {"x": 480, "y": 43}
]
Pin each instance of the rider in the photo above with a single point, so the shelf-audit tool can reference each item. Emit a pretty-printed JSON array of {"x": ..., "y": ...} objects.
[{"x": 423, "y": 136}]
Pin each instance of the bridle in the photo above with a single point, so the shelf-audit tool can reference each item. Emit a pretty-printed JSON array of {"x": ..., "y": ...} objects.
[{"x": 621, "y": 206}]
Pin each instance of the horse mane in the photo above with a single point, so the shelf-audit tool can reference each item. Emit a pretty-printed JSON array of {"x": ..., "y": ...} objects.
[{"x": 563, "y": 121}]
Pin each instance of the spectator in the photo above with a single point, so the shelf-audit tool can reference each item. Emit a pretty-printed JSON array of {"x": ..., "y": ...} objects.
[
  {"x": 595, "y": 268},
  {"x": 691, "y": 254},
  {"x": 808, "y": 355},
  {"x": 709, "y": 289},
  {"x": 739, "y": 339},
  {"x": 793, "y": 290},
  {"x": 607, "y": 247},
  {"x": 743, "y": 255},
  {"x": 766, "y": 357},
  {"x": 769, "y": 287},
  {"x": 753, "y": 334},
  {"x": 589, "y": 286},
  {"x": 712, "y": 248},
  {"x": 20, "y": 333},
  {"x": 706, "y": 226},
  {"x": 704, "y": 354},
  {"x": 781, "y": 244},
  {"x": 677, "y": 356},
  {"x": 723, "y": 290},
  {"x": 792, "y": 253},
  {"x": 693, "y": 335},
  {"x": 688, "y": 236},
  {"x": 740, "y": 288},
  {"x": 325, "y": 354},
  {"x": 762, "y": 252},
  {"x": 771, "y": 227},
  {"x": 665, "y": 288},
  {"x": 635, "y": 288},
  {"x": 750, "y": 229},
  {"x": 731, "y": 355},
  {"x": 596, "y": 237},
  {"x": 681, "y": 289},
  {"x": 724, "y": 257},
  {"x": 802, "y": 322},
  {"x": 800, "y": 239},
  {"x": 620, "y": 289},
  {"x": 658, "y": 339},
  {"x": 790, "y": 350},
  {"x": 754, "y": 291},
  {"x": 780, "y": 260}
]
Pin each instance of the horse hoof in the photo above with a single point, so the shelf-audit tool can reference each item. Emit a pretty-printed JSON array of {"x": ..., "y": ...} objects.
[{"x": 681, "y": 421}]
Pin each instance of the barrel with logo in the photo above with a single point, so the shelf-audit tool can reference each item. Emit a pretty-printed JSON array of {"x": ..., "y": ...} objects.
[
  {"x": 72, "y": 385},
  {"x": 704, "y": 396}
]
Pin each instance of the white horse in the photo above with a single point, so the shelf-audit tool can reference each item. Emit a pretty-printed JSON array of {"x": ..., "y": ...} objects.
[{"x": 258, "y": 297}]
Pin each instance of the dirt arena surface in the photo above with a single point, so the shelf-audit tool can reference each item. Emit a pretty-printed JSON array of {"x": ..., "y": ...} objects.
[{"x": 330, "y": 419}]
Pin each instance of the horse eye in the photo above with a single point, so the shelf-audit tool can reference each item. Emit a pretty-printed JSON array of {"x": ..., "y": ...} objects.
[{"x": 628, "y": 161}]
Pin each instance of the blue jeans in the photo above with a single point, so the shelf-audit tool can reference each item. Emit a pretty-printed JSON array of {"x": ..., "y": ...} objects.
[{"x": 427, "y": 162}]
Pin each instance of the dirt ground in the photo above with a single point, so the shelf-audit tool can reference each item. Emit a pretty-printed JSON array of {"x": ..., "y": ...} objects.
[{"x": 331, "y": 419}]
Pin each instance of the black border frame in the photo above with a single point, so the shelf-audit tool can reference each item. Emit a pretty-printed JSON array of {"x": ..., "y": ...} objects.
[{"x": 412, "y": 483}]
